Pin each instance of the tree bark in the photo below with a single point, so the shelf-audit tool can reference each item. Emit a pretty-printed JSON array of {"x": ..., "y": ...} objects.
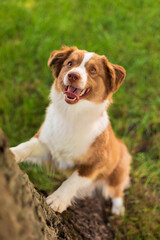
[{"x": 24, "y": 214}]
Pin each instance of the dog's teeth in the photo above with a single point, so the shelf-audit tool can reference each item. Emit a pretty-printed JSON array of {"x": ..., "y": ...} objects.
[
  {"x": 83, "y": 92},
  {"x": 72, "y": 99}
]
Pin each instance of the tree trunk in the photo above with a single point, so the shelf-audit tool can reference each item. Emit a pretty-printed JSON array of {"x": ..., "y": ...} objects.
[{"x": 24, "y": 214}]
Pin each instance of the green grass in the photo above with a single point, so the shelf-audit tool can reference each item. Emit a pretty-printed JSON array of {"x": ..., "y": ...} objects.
[{"x": 127, "y": 32}]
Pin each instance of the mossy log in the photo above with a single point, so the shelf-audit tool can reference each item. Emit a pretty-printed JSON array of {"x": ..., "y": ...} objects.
[{"x": 24, "y": 214}]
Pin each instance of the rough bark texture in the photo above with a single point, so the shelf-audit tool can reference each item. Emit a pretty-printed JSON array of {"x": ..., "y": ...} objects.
[{"x": 24, "y": 215}]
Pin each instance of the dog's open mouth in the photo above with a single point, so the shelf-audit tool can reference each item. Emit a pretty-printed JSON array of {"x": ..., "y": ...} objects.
[{"x": 73, "y": 94}]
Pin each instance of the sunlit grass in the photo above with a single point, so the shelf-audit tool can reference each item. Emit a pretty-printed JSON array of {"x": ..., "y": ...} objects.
[{"x": 127, "y": 32}]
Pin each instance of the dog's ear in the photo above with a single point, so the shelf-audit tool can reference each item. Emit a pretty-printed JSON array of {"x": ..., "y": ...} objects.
[
  {"x": 115, "y": 75},
  {"x": 57, "y": 58}
]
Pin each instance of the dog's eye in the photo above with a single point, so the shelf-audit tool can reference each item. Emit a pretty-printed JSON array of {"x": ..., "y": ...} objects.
[
  {"x": 69, "y": 64},
  {"x": 93, "y": 70}
]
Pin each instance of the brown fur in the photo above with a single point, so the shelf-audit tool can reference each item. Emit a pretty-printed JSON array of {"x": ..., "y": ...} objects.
[
  {"x": 107, "y": 159},
  {"x": 57, "y": 58}
]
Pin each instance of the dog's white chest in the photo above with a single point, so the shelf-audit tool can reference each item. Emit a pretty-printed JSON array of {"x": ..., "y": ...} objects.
[{"x": 68, "y": 134}]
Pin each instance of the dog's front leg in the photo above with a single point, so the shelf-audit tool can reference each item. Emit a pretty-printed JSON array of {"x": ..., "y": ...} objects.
[
  {"x": 62, "y": 197},
  {"x": 32, "y": 150}
]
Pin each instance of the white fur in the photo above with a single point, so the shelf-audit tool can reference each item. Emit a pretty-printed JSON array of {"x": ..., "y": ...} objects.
[
  {"x": 69, "y": 130},
  {"x": 81, "y": 70},
  {"x": 32, "y": 150},
  {"x": 117, "y": 206},
  {"x": 105, "y": 191},
  {"x": 62, "y": 197}
]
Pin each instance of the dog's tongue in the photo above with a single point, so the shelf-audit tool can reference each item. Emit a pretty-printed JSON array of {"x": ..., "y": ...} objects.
[
  {"x": 72, "y": 94},
  {"x": 74, "y": 90}
]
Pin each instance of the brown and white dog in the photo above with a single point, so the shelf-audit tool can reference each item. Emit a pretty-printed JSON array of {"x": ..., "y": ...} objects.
[{"x": 77, "y": 131}]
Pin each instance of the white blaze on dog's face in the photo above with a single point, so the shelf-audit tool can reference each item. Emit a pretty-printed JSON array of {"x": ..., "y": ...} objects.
[{"x": 84, "y": 75}]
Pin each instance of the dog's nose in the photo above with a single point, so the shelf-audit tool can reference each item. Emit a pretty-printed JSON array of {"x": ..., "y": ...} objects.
[{"x": 73, "y": 76}]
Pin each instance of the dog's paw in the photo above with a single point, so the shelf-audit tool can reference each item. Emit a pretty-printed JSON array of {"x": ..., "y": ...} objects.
[
  {"x": 58, "y": 202},
  {"x": 117, "y": 206},
  {"x": 16, "y": 155},
  {"x": 118, "y": 210}
]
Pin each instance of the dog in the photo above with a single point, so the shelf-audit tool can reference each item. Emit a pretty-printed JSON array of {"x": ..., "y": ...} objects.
[{"x": 77, "y": 132}]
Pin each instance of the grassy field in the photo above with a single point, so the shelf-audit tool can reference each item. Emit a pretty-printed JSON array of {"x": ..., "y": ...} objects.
[{"x": 127, "y": 32}]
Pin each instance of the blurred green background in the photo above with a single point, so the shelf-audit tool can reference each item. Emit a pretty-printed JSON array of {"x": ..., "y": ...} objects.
[{"x": 128, "y": 33}]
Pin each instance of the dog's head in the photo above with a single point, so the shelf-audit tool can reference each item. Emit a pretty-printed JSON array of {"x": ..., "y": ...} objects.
[{"x": 84, "y": 75}]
